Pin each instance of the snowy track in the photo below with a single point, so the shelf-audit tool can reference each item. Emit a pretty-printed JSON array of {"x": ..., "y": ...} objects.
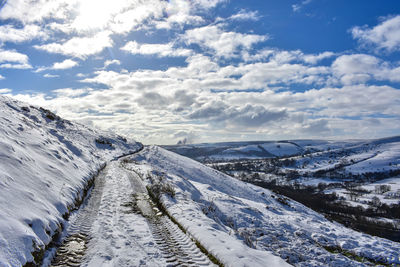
[
  {"x": 176, "y": 246},
  {"x": 72, "y": 250},
  {"x": 119, "y": 225}
]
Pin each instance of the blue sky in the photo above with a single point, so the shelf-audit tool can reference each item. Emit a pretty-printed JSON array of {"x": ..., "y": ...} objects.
[{"x": 208, "y": 70}]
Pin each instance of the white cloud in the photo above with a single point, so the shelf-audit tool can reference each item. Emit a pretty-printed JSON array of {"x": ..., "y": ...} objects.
[
  {"x": 69, "y": 92},
  {"x": 205, "y": 74},
  {"x": 360, "y": 68},
  {"x": 66, "y": 64},
  {"x": 12, "y": 56},
  {"x": 353, "y": 100},
  {"x": 222, "y": 43},
  {"x": 47, "y": 75},
  {"x": 161, "y": 50},
  {"x": 80, "y": 47},
  {"x": 284, "y": 56},
  {"x": 119, "y": 16},
  {"x": 155, "y": 114},
  {"x": 245, "y": 15},
  {"x": 298, "y": 7},
  {"x": 95, "y": 15},
  {"x": 314, "y": 59},
  {"x": 8, "y": 33},
  {"x": 157, "y": 105},
  {"x": 13, "y": 60},
  {"x": 15, "y": 66},
  {"x": 135, "y": 17},
  {"x": 5, "y": 90},
  {"x": 179, "y": 13},
  {"x": 2, "y": 77},
  {"x": 385, "y": 35},
  {"x": 111, "y": 62},
  {"x": 81, "y": 75},
  {"x": 207, "y": 4},
  {"x": 35, "y": 11}
]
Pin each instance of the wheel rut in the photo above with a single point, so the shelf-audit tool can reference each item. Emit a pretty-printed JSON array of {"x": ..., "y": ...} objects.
[
  {"x": 74, "y": 246},
  {"x": 177, "y": 247},
  {"x": 117, "y": 202}
]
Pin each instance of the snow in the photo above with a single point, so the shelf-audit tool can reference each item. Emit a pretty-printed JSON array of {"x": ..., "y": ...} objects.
[
  {"x": 278, "y": 149},
  {"x": 45, "y": 163},
  {"x": 119, "y": 237},
  {"x": 249, "y": 148},
  {"x": 224, "y": 214},
  {"x": 384, "y": 157},
  {"x": 216, "y": 237}
]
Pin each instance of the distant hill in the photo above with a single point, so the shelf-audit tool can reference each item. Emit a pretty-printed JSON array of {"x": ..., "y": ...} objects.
[{"x": 359, "y": 156}]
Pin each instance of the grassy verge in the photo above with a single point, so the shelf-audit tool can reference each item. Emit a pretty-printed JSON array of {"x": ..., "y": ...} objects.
[{"x": 353, "y": 256}]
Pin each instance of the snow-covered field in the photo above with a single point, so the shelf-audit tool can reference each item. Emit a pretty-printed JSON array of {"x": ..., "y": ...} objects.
[
  {"x": 45, "y": 164},
  {"x": 225, "y": 214}
]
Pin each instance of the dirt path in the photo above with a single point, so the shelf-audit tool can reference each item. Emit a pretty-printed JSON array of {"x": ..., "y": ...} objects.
[{"x": 119, "y": 225}]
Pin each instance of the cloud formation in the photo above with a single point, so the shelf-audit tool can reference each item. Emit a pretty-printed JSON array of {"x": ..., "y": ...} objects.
[
  {"x": 169, "y": 71},
  {"x": 8, "y": 33},
  {"x": 80, "y": 47},
  {"x": 360, "y": 68},
  {"x": 12, "y": 59},
  {"x": 66, "y": 64},
  {"x": 384, "y": 36},
  {"x": 245, "y": 15},
  {"x": 299, "y": 6},
  {"x": 161, "y": 50},
  {"x": 222, "y": 43}
]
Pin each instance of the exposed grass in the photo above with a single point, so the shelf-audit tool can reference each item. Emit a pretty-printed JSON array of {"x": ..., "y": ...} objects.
[{"x": 353, "y": 256}]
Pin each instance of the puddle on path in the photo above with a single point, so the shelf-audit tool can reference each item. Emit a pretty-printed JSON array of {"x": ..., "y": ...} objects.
[{"x": 71, "y": 251}]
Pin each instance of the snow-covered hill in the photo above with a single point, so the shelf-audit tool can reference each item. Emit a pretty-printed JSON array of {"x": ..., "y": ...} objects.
[
  {"x": 224, "y": 214},
  {"x": 45, "y": 164},
  {"x": 237, "y": 150},
  {"x": 211, "y": 152}
]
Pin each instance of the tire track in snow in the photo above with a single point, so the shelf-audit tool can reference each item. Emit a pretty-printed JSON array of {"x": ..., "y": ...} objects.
[
  {"x": 73, "y": 248},
  {"x": 110, "y": 207},
  {"x": 178, "y": 248}
]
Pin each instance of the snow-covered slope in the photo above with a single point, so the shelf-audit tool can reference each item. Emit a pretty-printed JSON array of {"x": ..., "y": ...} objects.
[
  {"x": 224, "y": 214},
  {"x": 45, "y": 164}
]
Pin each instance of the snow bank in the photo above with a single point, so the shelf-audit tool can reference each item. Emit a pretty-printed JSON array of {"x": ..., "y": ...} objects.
[{"x": 45, "y": 163}]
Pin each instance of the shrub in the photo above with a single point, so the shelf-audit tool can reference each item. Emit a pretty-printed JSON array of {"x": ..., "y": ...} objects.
[{"x": 103, "y": 141}]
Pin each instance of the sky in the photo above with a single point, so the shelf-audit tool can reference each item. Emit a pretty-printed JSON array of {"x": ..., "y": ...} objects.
[{"x": 164, "y": 72}]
